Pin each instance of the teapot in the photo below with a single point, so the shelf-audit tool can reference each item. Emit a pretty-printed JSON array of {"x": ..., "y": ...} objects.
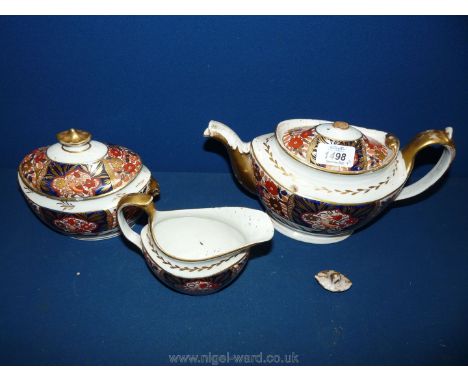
[{"x": 320, "y": 181}]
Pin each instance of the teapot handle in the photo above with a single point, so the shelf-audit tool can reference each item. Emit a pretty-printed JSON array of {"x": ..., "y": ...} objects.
[
  {"x": 143, "y": 201},
  {"x": 420, "y": 141}
]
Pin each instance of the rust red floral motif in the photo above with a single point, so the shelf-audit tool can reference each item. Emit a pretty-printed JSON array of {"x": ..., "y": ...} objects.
[
  {"x": 124, "y": 163},
  {"x": 197, "y": 285},
  {"x": 298, "y": 140},
  {"x": 72, "y": 224},
  {"x": 273, "y": 196},
  {"x": 115, "y": 152},
  {"x": 306, "y": 133},
  {"x": 332, "y": 220},
  {"x": 33, "y": 165},
  {"x": 40, "y": 156},
  {"x": 75, "y": 183},
  {"x": 375, "y": 151},
  {"x": 271, "y": 187},
  {"x": 295, "y": 142}
]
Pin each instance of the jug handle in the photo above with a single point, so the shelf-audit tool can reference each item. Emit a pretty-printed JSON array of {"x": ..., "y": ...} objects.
[
  {"x": 419, "y": 142},
  {"x": 143, "y": 201}
]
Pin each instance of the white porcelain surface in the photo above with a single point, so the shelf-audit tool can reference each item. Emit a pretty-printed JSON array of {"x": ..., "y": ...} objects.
[
  {"x": 200, "y": 242},
  {"x": 92, "y": 152}
]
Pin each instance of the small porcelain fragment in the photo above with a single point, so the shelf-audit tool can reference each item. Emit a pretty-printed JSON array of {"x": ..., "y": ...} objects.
[{"x": 333, "y": 281}]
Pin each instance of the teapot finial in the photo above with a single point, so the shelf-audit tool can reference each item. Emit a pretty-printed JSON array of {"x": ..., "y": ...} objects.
[{"x": 341, "y": 125}]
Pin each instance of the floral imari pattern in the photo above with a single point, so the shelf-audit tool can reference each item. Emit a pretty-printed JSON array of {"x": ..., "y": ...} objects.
[
  {"x": 75, "y": 182},
  {"x": 97, "y": 223},
  {"x": 33, "y": 167},
  {"x": 200, "y": 285},
  {"x": 196, "y": 286},
  {"x": 272, "y": 195},
  {"x": 332, "y": 220},
  {"x": 302, "y": 143},
  {"x": 73, "y": 224},
  {"x": 312, "y": 215}
]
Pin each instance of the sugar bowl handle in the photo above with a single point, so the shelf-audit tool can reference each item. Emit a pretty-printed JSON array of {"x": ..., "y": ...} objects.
[
  {"x": 422, "y": 140},
  {"x": 143, "y": 201},
  {"x": 153, "y": 188}
]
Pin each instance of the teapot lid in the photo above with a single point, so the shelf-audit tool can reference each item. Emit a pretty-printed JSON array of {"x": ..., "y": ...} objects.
[
  {"x": 78, "y": 168},
  {"x": 337, "y": 147}
]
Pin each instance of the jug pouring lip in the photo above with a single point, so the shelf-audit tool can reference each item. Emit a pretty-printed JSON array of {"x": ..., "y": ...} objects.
[{"x": 222, "y": 215}]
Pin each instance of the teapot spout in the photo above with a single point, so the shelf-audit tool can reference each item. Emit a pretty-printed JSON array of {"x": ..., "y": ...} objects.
[{"x": 239, "y": 153}]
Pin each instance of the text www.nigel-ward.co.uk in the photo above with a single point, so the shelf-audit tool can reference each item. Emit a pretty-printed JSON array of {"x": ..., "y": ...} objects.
[{"x": 229, "y": 358}]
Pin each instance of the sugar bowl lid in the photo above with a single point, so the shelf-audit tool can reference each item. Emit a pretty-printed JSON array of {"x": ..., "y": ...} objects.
[
  {"x": 78, "y": 168},
  {"x": 337, "y": 147}
]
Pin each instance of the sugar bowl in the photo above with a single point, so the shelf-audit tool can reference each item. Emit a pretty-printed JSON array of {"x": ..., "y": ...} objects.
[{"x": 75, "y": 184}]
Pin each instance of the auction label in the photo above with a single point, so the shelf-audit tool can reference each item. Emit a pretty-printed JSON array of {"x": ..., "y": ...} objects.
[{"x": 335, "y": 155}]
